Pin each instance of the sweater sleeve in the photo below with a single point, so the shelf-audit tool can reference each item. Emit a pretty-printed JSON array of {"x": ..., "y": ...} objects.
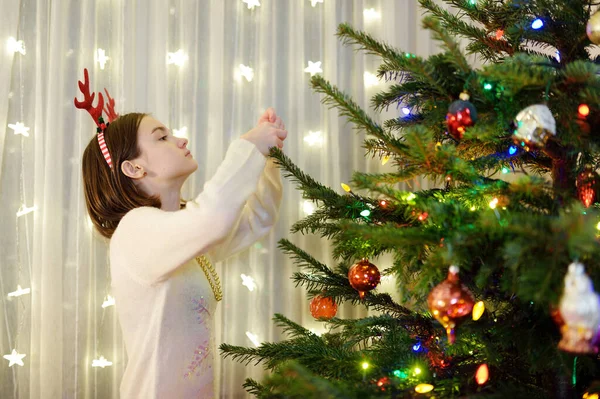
[
  {"x": 259, "y": 215},
  {"x": 151, "y": 243}
]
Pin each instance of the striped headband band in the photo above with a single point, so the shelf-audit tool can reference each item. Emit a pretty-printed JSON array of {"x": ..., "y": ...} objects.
[{"x": 96, "y": 112}]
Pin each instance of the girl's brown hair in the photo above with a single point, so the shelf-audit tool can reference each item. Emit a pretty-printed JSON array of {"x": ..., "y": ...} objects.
[{"x": 109, "y": 194}]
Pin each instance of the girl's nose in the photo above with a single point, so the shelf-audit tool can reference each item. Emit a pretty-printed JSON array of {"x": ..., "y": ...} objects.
[{"x": 183, "y": 142}]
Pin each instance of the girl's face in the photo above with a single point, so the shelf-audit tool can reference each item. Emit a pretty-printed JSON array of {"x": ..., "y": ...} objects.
[{"x": 164, "y": 157}]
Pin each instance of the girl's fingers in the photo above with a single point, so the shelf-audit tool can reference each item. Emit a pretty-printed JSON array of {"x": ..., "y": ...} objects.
[{"x": 281, "y": 134}]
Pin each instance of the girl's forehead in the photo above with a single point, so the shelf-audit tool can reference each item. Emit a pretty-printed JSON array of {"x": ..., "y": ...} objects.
[{"x": 148, "y": 125}]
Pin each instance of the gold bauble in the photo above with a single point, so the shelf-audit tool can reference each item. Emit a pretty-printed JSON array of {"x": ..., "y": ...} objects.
[{"x": 593, "y": 28}]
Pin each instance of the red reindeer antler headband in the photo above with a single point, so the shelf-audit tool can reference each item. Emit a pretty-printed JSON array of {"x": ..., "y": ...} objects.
[{"x": 96, "y": 112}]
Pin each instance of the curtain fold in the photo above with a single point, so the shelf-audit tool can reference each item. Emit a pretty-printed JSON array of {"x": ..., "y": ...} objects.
[{"x": 66, "y": 324}]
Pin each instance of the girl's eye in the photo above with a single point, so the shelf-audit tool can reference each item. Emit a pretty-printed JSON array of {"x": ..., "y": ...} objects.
[{"x": 164, "y": 138}]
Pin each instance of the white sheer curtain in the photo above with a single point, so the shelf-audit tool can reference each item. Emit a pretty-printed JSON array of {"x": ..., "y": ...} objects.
[{"x": 61, "y": 325}]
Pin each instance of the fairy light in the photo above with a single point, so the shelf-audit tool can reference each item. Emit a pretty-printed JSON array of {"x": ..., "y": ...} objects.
[
  {"x": 512, "y": 150},
  {"x": 101, "y": 362},
  {"x": 366, "y": 213},
  {"x": 314, "y": 138},
  {"x": 423, "y": 216},
  {"x": 19, "y": 128},
  {"x": 315, "y": 2},
  {"x": 370, "y": 14},
  {"x": 478, "y": 310},
  {"x": 15, "y": 358},
  {"x": 253, "y": 338},
  {"x": 499, "y": 34},
  {"x": 505, "y": 170},
  {"x": 101, "y": 58},
  {"x": 251, "y": 3},
  {"x": 417, "y": 370},
  {"x": 494, "y": 203},
  {"x": 183, "y": 132},
  {"x": 416, "y": 347},
  {"x": 370, "y": 79},
  {"x": 313, "y": 68},
  {"x": 178, "y": 58},
  {"x": 487, "y": 86},
  {"x": 308, "y": 207},
  {"x": 411, "y": 197},
  {"x": 16, "y": 46},
  {"x": 346, "y": 187},
  {"x": 24, "y": 210},
  {"x": 385, "y": 159},
  {"x": 400, "y": 374},
  {"x": 248, "y": 282},
  {"x": 383, "y": 203},
  {"x": 537, "y": 24},
  {"x": 365, "y": 365},
  {"x": 583, "y": 110},
  {"x": 482, "y": 374},
  {"x": 20, "y": 291},
  {"x": 109, "y": 301},
  {"x": 424, "y": 388},
  {"x": 245, "y": 72}
]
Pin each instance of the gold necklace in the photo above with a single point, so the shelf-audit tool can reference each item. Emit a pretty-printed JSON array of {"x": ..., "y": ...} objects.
[{"x": 211, "y": 276}]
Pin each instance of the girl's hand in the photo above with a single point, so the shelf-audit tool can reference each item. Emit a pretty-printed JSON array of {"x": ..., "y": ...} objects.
[
  {"x": 266, "y": 135},
  {"x": 270, "y": 116}
]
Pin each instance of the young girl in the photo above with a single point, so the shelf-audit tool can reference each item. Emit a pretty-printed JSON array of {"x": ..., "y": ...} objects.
[{"x": 161, "y": 248}]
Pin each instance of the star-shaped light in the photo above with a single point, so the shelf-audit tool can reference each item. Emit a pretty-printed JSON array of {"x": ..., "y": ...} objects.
[
  {"x": 102, "y": 362},
  {"x": 109, "y": 301},
  {"x": 15, "y": 358},
  {"x": 314, "y": 138},
  {"x": 317, "y": 333},
  {"x": 252, "y": 3},
  {"x": 24, "y": 210},
  {"x": 248, "y": 282},
  {"x": 370, "y": 14},
  {"x": 246, "y": 72},
  {"x": 314, "y": 2},
  {"x": 313, "y": 68},
  {"x": 178, "y": 58},
  {"x": 253, "y": 338},
  {"x": 370, "y": 79},
  {"x": 308, "y": 207},
  {"x": 181, "y": 132},
  {"x": 20, "y": 291},
  {"x": 16, "y": 46},
  {"x": 101, "y": 58},
  {"x": 19, "y": 128}
]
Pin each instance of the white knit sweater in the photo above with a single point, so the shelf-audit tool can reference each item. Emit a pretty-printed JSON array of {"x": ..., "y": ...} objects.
[{"x": 164, "y": 301}]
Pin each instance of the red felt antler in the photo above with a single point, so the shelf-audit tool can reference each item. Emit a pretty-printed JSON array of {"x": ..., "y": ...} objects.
[
  {"x": 88, "y": 99},
  {"x": 110, "y": 108}
]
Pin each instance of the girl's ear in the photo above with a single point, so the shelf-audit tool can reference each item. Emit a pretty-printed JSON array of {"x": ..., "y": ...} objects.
[{"x": 132, "y": 171}]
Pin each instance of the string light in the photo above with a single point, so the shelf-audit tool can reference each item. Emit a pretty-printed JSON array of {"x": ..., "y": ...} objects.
[
  {"x": 365, "y": 365},
  {"x": 499, "y": 34},
  {"x": 482, "y": 374},
  {"x": 19, "y": 128},
  {"x": 478, "y": 310},
  {"x": 252, "y": 3},
  {"x": 592, "y": 396},
  {"x": 366, "y": 213},
  {"x": 313, "y": 68},
  {"x": 308, "y": 207},
  {"x": 101, "y": 362},
  {"x": 15, "y": 358},
  {"x": 16, "y": 46},
  {"x": 314, "y": 138},
  {"x": 494, "y": 203},
  {"x": 423, "y": 216},
  {"x": 385, "y": 159},
  {"x": 246, "y": 72},
  {"x": 505, "y": 170},
  {"x": 583, "y": 110},
  {"x": 417, "y": 371},
  {"x": 487, "y": 86},
  {"x": 424, "y": 388},
  {"x": 416, "y": 347},
  {"x": 248, "y": 282},
  {"x": 557, "y": 56},
  {"x": 370, "y": 14},
  {"x": 315, "y": 2},
  {"x": 346, "y": 187},
  {"x": 253, "y": 338},
  {"x": 537, "y": 24},
  {"x": 20, "y": 291},
  {"x": 512, "y": 150},
  {"x": 370, "y": 79},
  {"x": 178, "y": 58},
  {"x": 181, "y": 132},
  {"x": 400, "y": 374},
  {"x": 383, "y": 203},
  {"x": 109, "y": 301},
  {"x": 24, "y": 210},
  {"x": 411, "y": 197},
  {"x": 406, "y": 111},
  {"x": 101, "y": 58}
]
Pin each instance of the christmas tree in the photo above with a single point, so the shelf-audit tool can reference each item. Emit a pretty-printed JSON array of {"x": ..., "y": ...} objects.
[{"x": 496, "y": 264}]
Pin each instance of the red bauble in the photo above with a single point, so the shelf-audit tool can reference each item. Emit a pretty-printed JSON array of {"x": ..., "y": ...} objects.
[
  {"x": 323, "y": 307},
  {"x": 461, "y": 115},
  {"x": 363, "y": 277},
  {"x": 587, "y": 186},
  {"x": 450, "y": 302}
]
